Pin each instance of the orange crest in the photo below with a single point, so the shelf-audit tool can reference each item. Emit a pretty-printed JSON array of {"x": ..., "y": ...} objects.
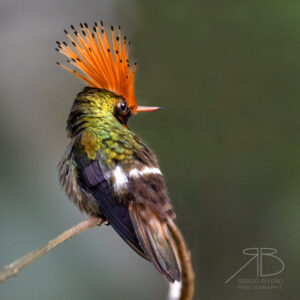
[{"x": 104, "y": 63}]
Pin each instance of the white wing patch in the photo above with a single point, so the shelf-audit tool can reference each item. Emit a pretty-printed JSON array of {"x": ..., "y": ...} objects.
[
  {"x": 135, "y": 173},
  {"x": 120, "y": 178}
]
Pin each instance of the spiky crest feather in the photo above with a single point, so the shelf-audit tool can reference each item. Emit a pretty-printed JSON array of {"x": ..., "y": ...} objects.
[{"x": 103, "y": 62}]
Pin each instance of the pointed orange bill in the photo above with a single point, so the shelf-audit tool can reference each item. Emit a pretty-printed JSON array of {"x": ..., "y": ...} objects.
[{"x": 147, "y": 108}]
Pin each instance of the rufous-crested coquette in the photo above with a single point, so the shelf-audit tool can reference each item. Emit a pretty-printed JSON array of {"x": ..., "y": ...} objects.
[{"x": 107, "y": 170}]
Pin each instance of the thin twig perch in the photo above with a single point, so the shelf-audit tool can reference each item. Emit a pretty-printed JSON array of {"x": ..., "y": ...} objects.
[
  {"x": 187, "y": 273},
  {"x": 187, "y": 289},
  {"x": 14, "y": 268}
]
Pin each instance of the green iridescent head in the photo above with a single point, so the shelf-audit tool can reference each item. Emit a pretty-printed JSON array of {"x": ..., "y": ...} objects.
[
  {"x": 100, "y": 102},
  {"x": 94, "y": 104}
]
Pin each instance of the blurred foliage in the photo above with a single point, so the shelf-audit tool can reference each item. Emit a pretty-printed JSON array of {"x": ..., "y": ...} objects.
[{"x": 227, "y": 75}]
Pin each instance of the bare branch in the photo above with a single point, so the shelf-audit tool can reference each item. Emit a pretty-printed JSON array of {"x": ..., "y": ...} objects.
[
  {"x": 186, "y": 289},
  {"x": 14, "y": 268}
]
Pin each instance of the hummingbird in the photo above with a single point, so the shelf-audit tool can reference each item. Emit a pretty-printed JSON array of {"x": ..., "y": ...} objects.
[{"x": 106, "y": 170}]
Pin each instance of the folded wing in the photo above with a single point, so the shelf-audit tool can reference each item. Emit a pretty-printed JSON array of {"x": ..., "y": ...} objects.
[{"x": 92, "y": 179}]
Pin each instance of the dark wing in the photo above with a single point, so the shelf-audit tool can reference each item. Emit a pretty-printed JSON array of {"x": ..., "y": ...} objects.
[{"x": 92, "y": 180}]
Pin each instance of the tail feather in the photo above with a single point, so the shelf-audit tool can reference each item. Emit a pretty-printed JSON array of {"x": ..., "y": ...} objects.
[{"x": 154, "y": 239}]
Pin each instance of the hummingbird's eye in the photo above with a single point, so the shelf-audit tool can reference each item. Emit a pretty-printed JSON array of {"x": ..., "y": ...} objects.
[{"x": 123, "y": 105}]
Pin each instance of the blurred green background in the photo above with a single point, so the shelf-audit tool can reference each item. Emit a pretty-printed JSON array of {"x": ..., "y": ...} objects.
[{"x": 227, "y": 74}]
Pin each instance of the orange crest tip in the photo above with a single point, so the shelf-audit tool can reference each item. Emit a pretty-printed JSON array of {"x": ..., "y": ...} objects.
[{"x": 103, "y": 63}]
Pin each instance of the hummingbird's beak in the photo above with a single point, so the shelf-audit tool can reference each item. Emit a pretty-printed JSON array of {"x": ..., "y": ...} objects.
[{"x": 147, "y": 108}]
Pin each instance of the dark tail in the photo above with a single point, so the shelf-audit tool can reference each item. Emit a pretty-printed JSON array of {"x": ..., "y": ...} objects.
[{"x": 155, "y": 240}]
